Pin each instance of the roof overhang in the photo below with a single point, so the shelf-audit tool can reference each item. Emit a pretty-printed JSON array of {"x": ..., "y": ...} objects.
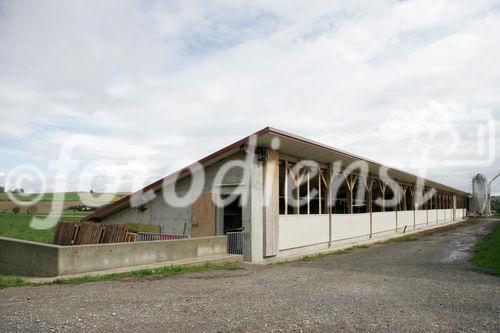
[{"x": 290, "y": 144}]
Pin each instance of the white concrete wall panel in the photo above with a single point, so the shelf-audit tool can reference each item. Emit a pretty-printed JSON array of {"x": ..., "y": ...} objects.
[
  {"x": 449, "y": 215},
  {"x": 302, "y": 230},
  {"x": 345, "y": 226},
  {"x": 383, "y": 221},
  {"x": 441, "y": 216},
  {"x": 421, "y": 217},
  {"x": 405, "y": 218},
  {"x": 432, "y": 216}
]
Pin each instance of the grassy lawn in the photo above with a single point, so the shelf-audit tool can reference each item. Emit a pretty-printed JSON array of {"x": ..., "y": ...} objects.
[
  {"x": 496, "y": 216},
  {"x": 68, "y": 196},
  {"x": 11, "y": 281},
  {"x": 18, "y": 226},
  {"x": 487, "y": 253}
]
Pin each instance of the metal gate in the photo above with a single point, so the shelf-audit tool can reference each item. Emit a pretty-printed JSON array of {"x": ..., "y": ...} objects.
[{"x": 235, "y": 242}]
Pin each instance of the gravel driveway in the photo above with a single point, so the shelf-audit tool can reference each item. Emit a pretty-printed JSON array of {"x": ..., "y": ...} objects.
[{"x": 420, "y": 286}]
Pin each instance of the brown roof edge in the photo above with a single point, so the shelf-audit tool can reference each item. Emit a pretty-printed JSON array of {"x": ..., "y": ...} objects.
[{"x": 125, "y": 201}]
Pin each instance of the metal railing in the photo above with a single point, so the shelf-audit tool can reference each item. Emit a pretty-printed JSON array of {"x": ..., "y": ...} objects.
[
  {"x": 147, "y": 237},
  {"x": 235, "y": 242}
]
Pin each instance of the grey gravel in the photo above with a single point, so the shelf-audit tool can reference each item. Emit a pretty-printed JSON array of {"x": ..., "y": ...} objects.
[{"x": 424, "y": 285}]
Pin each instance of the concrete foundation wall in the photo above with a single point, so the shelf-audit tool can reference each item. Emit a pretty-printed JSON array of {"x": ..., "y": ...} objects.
[{"x": 43, "y": 260}]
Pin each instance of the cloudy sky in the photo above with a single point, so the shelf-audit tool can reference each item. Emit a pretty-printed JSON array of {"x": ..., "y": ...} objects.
[{"x": 145, "y": 87}]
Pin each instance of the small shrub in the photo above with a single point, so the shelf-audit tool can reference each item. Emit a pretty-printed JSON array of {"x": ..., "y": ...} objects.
[{"x": 31, "y": 210}]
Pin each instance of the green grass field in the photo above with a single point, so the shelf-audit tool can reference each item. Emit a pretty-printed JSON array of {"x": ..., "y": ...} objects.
[
  {"x": 18, "y": 226},
  {"x": 68, "y": 196},
  {"x": 487, "y": 253}
]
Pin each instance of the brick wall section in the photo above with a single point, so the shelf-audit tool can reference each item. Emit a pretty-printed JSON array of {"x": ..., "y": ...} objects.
[{"x": 203, "y": 216}]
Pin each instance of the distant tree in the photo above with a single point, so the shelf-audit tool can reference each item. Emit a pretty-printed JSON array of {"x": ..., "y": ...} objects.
[
  {"x": 2, "y": 189},
  {"x": 495, "y": 203},
  {"x": 16, "y": 210}
]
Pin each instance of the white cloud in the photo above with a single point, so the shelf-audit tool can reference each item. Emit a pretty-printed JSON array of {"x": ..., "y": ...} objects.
[{"x": 175, "y": 81}]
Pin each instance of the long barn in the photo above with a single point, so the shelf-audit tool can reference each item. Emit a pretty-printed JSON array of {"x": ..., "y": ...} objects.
[{"x": 283, "y": 195}]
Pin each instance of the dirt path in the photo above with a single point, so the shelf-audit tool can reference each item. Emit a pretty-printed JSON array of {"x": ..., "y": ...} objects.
[{"x": 422, "y": 285}]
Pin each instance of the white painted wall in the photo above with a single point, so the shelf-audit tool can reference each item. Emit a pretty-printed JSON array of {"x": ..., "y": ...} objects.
[
  {"x": 432, "y": 216},
  {"x": 441, "y": 215},
  {"x": 449, "y": 215},
  {"x": 302, "y": 230},
  {"x": 345, "y": 226},
  {"x": 383, "y": 221},
  {"x": 405, "y": 218},
  {"x": 297, "y": 231},
  {"x": 420, "y": 217}
]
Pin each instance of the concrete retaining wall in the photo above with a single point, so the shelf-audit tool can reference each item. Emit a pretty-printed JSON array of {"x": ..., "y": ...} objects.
[
  {"x": 19, "y": 257},
  {"x": 43, "y": 260}
]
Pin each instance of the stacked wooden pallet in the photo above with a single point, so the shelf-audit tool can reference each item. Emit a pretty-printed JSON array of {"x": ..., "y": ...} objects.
[
  {"x": 81, "y": 233},
  {"x": 89, "y": 233},
  {"x": 115, "y": 233},
  {"x": 69, "y": 233},
  {"x": 65, "y": 233}
]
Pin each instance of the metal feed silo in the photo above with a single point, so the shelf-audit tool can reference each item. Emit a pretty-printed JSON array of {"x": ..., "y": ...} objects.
[{"x": 479, "y": 202}]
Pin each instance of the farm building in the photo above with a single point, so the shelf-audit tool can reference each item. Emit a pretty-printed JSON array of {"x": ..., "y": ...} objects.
[{"x": 285, "y": 195}]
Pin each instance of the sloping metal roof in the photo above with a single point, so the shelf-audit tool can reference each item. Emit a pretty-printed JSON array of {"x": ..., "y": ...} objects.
[{"x": 290, "y": 144}]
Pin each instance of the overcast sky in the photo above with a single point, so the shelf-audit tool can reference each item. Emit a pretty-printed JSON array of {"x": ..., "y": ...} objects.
[{"x": 405, "y": 83}]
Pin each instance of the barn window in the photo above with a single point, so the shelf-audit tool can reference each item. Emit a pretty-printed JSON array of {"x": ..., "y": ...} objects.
[
  {"x": 282, "y": 186},
  {"x": 307, "y": 187}
]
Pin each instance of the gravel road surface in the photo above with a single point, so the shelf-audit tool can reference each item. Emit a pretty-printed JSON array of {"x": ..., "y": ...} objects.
[{"x": 416, "y": 286}]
